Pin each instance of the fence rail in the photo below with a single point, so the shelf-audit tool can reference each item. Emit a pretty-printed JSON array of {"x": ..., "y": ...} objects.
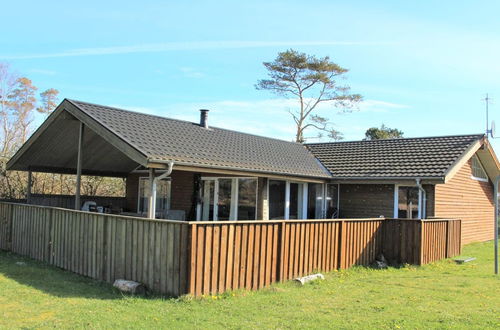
[
  {"x": 177, "y": 257},
  {"x": 68, "y": 201}
]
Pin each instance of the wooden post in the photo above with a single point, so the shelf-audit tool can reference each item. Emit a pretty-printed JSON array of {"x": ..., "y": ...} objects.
[
  {"x": 79, "y": 167},
  {"x": 342, "y": 246},
  {"x": 421, "y": 241},
  {"x": 28, "y": 190},
  {"x": 152, "y": 194}
]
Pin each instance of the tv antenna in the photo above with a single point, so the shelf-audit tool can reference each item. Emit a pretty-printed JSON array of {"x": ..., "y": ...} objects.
[{"x": 490, "y": 130}]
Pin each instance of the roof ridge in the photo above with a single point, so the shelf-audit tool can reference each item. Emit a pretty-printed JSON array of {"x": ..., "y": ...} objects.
[
  {"x": 184, "y": 121},
  {"x": 397, "y": 139}
]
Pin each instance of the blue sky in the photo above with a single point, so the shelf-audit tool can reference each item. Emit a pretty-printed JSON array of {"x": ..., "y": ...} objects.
[{"x": 422, "y": 67}]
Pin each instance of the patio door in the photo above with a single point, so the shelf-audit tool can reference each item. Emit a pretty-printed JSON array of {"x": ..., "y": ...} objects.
[
  {"x": 228, "y": 199},
  {"x": 216, "y": 199}
]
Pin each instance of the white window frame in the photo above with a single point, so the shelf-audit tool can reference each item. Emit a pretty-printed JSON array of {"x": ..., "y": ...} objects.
[
  {"x": 146, "y": 178},
  {"x": 305, "y": 189},
  {"x": 325, "y": 191},
  {"x": 234, "y": 197},
  {"x": 396, "y": 199},
  {"x": 481, "y": 167}
]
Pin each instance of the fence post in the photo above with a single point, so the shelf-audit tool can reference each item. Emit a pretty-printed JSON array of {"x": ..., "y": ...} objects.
[
  {"x": 421, "y": 241},
  {"x": 447, "y": 241},
  {"x": 281, "y": 264},
  {"x": 48, "y": 257},
  {"x": 342, "y": 245},
  {"x": 10, "y": 222},
  {"x": 192, "y": 259}
]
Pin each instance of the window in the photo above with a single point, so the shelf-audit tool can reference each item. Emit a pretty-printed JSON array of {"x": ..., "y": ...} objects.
[
  {"x": 247, "y": 199},
  {"x": 228, "y": 199},
  {"x": 162, "y": 196},
  {"x": 277, "y": 199},
  {"x": 478, "y": 172},
  {"x": 332, "y": 201},
  {"x": 407, "y": 202},
  {"x": 315, "y": 201}
]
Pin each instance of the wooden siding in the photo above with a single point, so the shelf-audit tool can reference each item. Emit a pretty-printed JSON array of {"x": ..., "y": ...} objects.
[{"x": 470, "y": 200}]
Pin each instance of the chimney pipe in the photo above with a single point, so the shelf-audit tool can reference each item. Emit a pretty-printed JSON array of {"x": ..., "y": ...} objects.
[{"x": 204, "y": 118}]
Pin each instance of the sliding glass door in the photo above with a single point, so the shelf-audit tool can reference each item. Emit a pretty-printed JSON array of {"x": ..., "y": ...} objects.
[
  {"x": 228, "y": 199},
  {"x": 286, "y": 200}
]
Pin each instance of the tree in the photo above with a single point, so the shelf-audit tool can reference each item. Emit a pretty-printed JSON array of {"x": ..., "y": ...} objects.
[
  {"x": 384, "y": 132},
  {"x": 312, "y": 81},
  {"x": 49, "y": 101},
  {"x": 23, "y": 101}
]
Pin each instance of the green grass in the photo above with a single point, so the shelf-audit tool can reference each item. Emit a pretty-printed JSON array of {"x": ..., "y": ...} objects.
[{"x": 439, "y": 295}]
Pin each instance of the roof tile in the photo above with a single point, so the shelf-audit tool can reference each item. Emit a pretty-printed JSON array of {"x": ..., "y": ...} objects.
[{"x": 393, "y": 158}]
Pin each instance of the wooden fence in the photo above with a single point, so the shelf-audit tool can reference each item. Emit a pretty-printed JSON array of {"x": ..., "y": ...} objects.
[
  {"x": 247, "y": 254},
  {"x": 104, "y": 247},
  {"x": 68, "y": 201},
  {"x": 176, "y": 257}
]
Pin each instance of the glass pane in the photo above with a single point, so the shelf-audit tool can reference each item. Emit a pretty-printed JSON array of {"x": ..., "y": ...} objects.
[
  {"x": 315, "y": 201},
  {"x": 162, "y": 190},
  {"x": 207, "y": 200},
  {"x": 247, "y": 199},
  {"x": 408, "y": 202},
  {"x": 332, "y": 195},
  {"x": 277, "y": 199},
  {"x": 143, "y": 195},
  {"x": 224, "y": 203},
  {"x": 296, "y": 200},
  {"x": 162, "y": 196}
]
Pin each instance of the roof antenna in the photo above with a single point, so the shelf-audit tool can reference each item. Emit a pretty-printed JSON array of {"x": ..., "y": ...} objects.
[{"x": 490, "y": 131}]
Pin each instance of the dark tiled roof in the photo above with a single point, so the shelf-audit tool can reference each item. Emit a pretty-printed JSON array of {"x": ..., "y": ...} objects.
[
  {"x": 185, "y": 142},
  {"x": 428, "y": 157}
]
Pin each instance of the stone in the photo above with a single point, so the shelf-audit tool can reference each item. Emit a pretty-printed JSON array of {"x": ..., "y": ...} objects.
[
  {"x": 129, "y": 287},
  {"x": 308, "y": 278}
]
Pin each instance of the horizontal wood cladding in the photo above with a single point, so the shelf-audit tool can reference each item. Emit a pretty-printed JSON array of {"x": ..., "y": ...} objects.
[{"x": 470, "y": 200}]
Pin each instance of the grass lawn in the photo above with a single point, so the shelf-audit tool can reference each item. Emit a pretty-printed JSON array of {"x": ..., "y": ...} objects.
[{"x": 440, "y": 295}]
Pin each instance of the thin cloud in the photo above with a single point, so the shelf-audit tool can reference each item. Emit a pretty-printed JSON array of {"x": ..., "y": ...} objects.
[
  {"x": 180, "y": 46},
  {"x": 43, "y": 72},
  {"x": 380, "y": 106},
  {"x": 191, "y": 72}
]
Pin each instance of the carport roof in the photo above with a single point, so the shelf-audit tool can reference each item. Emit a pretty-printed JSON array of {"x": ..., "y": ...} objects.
[{"x": 117, "y": 141}]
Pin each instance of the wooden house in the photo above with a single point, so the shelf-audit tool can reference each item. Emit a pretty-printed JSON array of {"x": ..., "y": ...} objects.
[{"x": 192, "y": 171}]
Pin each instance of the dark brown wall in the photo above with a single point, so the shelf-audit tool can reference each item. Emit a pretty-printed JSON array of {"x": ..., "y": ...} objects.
[
  {"x": 182, "y": 191},
  {"x": 469, "y": 200},
  {"x": 131, "y": 191},
  {"x": 366, "y": 200},
  {"x": 374, "y": 200}
]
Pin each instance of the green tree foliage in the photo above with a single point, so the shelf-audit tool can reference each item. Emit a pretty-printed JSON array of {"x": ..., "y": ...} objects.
[
  {"x": 311, "y": 81},
  {"x": 384, "y": 132}
]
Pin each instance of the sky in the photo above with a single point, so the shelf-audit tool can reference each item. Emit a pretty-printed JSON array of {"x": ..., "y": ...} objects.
[{"x": 421, "y": 66}]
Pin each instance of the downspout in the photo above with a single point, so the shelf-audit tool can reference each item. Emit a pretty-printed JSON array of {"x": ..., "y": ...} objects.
[
  {"x": 424, "y": 199},
  {"x": 152, "y": 208}
]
